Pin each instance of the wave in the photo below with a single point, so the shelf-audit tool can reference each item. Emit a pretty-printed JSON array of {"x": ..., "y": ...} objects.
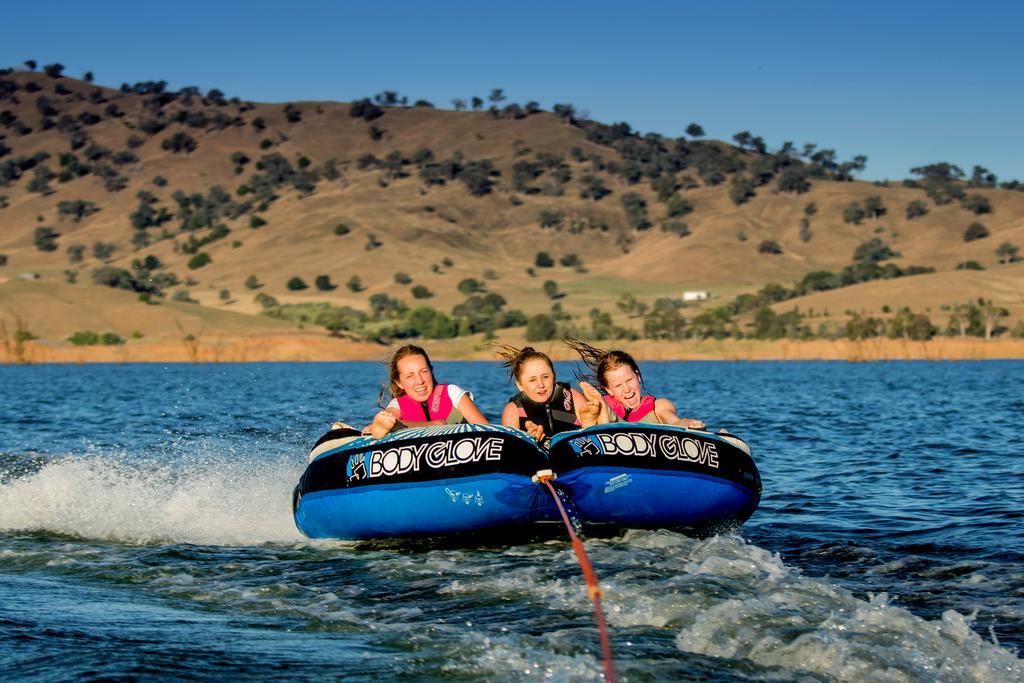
[{"x": 213, "y": 500}]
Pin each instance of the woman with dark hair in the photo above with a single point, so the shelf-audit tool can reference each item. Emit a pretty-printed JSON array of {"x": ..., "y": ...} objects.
[
  {"x": 416, "y": 400},
  {"x": 619, "y": 375},
  {"x": 544, "y": 406}
]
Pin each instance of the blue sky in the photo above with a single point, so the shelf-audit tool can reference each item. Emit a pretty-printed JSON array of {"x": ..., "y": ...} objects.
[{"x": 904, "y": 83}]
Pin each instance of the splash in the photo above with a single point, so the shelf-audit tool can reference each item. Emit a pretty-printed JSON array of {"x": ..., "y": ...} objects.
[{"x": 210, "y": 501}]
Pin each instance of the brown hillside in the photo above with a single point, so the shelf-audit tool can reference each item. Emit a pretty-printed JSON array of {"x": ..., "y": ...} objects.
[{"x": 418, "y": 226}]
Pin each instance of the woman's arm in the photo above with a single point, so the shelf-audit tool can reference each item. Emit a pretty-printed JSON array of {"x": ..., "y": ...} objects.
[
  {"x": 665, "y": 411},
  {"x": 510, "y": 416},
  {"x": 470, "y": 412}
]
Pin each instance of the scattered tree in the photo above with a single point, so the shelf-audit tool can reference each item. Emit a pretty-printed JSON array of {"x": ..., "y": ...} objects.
[
  {"x": 179, "y": 142},
  {"x": 421, "y": 292},
  {"x": 976, "y": 204},
  {"x": 677, "y": 207},
  {"x": 75, "y": 253},
  {"x": 199, "y": 260},
  {"x": 915, "y": 209},
  {"x": 853, "y": 213},
  {"x": 470, "y": 286},
  {"x": 1008, "y": 253},
  {"x": 103, "y": 250},
  {"x": 540, "y": 327},
  {"x": 45, "y": 238},
  {"x": 975, "y": 231},
  {"x": 874, "y": 251}
]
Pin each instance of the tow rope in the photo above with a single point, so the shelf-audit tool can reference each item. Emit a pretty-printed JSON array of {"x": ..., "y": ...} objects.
[{"x": 593, "y": 588}]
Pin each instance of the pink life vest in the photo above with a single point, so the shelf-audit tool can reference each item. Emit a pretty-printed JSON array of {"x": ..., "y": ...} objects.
[
  {"x": 644, "y": 410},
  {"x": 437, "y": 407}
]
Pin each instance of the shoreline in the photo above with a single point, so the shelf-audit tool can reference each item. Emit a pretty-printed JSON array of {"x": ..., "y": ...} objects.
[{"x": 322, "y": 348}]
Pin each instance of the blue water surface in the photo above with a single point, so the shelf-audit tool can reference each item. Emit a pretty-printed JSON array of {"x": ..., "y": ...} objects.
[{"x": 146, "y": 532}]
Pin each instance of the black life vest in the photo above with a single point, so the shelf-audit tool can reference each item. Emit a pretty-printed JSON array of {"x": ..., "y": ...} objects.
[{"x": 557, "y": 415}]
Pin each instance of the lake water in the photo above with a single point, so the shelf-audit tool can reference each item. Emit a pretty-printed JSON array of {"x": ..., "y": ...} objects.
[{"x": 146, "y": 532}]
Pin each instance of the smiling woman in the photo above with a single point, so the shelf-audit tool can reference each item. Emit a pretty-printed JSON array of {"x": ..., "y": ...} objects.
[
  {"x": 416, "y": 400},
  {"x": 544, "y": 407},
  {"x": 619, "y": 375}
]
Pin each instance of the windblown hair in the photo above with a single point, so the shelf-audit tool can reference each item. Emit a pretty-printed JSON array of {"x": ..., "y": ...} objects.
[
  {"x": 600, "y": 361},
  {"x": 514, "y": 358},
  {"x": 393, "y": 388}
]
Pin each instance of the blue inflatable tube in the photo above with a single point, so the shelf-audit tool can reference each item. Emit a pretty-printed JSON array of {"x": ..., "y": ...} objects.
[
  {"x": 447, "y": 480},
  {"x": 420, "y": 482},
  {"x": 649, "y": 475}
]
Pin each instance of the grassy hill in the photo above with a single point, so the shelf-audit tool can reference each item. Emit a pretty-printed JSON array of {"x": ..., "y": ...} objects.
[{"x": 440, "y": 196}]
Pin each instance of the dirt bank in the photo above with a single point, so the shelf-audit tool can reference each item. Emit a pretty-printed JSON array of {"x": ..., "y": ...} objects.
[{"x": 311, "y": 347}]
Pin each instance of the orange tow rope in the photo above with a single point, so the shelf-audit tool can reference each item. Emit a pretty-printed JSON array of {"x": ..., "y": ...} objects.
[{"x": 593, "y": 588}]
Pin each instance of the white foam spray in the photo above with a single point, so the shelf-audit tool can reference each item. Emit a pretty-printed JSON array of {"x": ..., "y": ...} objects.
[{"x": 215, "y": 501}]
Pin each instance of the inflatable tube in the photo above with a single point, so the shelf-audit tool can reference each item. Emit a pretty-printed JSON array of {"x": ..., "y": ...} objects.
[
  {"x": 420, "y": 482},
  {"x": 649, "y": 475}
]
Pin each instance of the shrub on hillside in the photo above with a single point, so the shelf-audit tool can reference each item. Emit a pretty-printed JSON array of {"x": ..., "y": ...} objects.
[
  {"x": 976, "y": 204},
  {"x": 874, "y": 207},
  {"x": 180, "y": 142},
  {"x": 323, "y": 283},
  {"x": 421, "y": 292},
  {"x": 470, "y": 286},
  {"x": 550, "y": 219},
  {"x": 635, "y": 207},
  {"x": 874, "y": 251},
  {"x": 975, "y": 231},
  {"x": 76, "y": 209},
  {"x": 341, "y": 229},
  {"x": 678, "y": 228},
  {"x": 741, "y": 190},
  {"x": 915, "y": 209},
  {"x": 1007, "y": 253},
  {"x": 551, "y": 290},
  {"x": 805, "y": 230},
  {"x": 355, "y": 284},
  {"x": 402, "y": 278},
  {"x": 296, "y": 284},
  {"x": 199, "y": 260},
  {"x": 84, "y": 338},
  {"x": 592, "y": 187},
  {"x": 677, "y": 207},
  {"x": 544, "y": 260},
  {"x": 853, "y": 213},
  {"x": 45, "y": 238},
  {"x": 265, "y": 300},
  {"x": 540, "y": 327},
  {"x": 769, "y": 247},
  {"x": 103, "y": 250}
]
